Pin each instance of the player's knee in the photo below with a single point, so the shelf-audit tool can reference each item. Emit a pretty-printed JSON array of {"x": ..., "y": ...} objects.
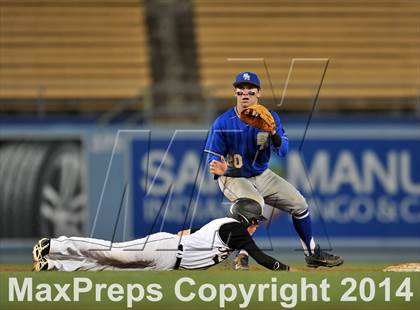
[
  {"x": 300, "y": 207},
  {"x": 300, "y": 213}
]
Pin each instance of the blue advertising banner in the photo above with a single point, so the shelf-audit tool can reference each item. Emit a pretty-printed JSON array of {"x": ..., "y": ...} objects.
[
  {"x": 360, "y": 187},
  {"x": 357, "y": 185},
  {"x": 171, "y": 186}
]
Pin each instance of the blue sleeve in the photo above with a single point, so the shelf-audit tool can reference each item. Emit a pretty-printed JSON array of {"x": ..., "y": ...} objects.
[
  {"x": 284, "y": 147},
  {"x": 215, "y": 145}
]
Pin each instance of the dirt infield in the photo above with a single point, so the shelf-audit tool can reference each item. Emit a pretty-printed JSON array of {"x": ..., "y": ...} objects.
[{"x": 15, "y": 268}]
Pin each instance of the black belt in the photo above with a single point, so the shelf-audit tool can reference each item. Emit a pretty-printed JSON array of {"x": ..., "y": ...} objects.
[{"x": 179, "y": 256}]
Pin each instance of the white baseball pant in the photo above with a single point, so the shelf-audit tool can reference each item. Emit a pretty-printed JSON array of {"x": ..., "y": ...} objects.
[
  {"x": 266, "y": 188},
  {"x": 156, "y": 251}
]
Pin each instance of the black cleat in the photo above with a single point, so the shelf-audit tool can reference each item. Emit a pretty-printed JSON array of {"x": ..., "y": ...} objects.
[{"x": 323, "y": 259}]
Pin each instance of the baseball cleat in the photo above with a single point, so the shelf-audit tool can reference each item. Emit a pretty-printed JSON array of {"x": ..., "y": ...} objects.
[
  {"x": 41, "y": 248},
  {"x": 322, "y": 259},
  {"x": 41, "y": 265},
  {"x": 241, "y": 262}
]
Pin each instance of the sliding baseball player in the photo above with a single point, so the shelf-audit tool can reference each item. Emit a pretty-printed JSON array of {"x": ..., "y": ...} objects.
[{"x": 190, "y": 249}]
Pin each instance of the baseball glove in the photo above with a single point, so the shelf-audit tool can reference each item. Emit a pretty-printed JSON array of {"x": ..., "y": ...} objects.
[{"x": 258, "y": 116}]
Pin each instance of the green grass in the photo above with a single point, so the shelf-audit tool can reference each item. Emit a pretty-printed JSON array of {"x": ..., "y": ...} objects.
[{"x": 222, "y": 275}]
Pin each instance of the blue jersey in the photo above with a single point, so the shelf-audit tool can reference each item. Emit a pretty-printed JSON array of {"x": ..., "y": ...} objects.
[{"x": 246, "y": 149}]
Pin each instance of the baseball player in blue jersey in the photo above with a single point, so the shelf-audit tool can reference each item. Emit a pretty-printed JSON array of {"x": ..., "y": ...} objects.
[{"x": 239, "y": 156}]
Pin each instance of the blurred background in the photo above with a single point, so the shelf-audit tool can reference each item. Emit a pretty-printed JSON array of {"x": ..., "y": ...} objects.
[{"x": 105, "y": 106}]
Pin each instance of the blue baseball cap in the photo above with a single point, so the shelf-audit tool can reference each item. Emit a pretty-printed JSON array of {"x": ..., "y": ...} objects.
[{"x": 248, "y": 78}]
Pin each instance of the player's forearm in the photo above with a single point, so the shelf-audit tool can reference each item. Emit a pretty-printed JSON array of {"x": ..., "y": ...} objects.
[
  {"x": 264, "y": 259},
  {"x": 284, "y": 148},
  {"x": 269, "y": 262}
]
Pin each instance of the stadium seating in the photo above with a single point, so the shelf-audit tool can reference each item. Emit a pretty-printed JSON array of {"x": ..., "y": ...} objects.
[
  {"x": 95, "y": 52},
  {"x": 373, "y": 47},
  {"x": 73, "y": 49}
]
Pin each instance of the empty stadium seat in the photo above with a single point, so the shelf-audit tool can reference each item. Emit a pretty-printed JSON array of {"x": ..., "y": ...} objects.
[
  {"x": 73, "y": 49},
  {"x": 372, "y": 47}
]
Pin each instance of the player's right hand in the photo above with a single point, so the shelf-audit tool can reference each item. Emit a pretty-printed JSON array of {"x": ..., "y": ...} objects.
[
  {"x": 218, "y": 167},
  {"x": 184, "y": 232}
]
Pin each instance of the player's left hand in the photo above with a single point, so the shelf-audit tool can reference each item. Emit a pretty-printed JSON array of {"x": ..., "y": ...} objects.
[{"x": 259, "y": 117}]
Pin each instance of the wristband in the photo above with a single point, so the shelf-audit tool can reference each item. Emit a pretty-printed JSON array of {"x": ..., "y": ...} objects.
[
  {"x": 276, "y": 140},
  {"x": 280, "y": 266}
]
